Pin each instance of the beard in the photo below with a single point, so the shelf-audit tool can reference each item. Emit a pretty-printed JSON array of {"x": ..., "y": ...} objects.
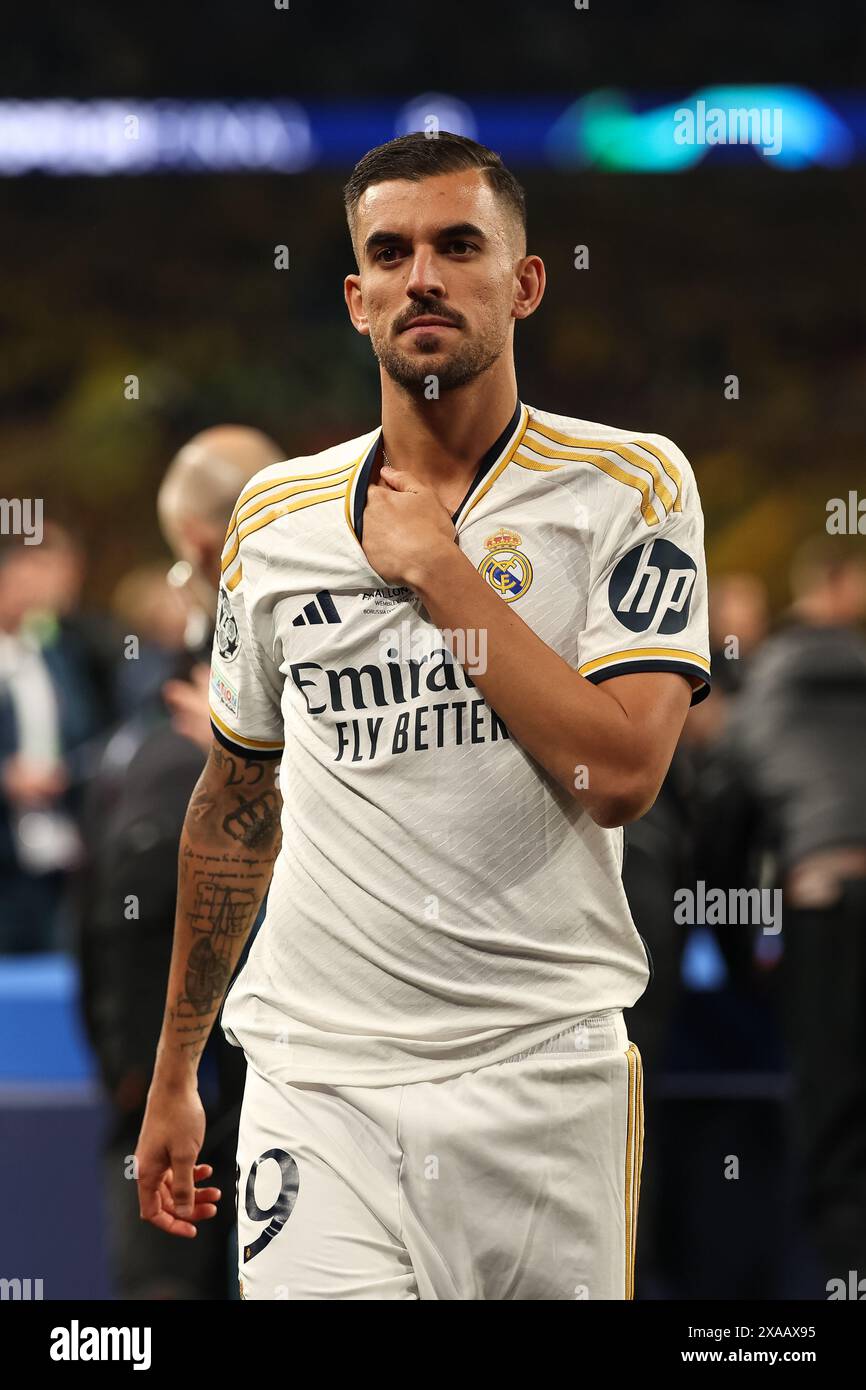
[{"x": 462, "y": 365}]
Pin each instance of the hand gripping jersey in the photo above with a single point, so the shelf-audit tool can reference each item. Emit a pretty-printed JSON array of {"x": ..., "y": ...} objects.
[{"x": 439, "y": 903}]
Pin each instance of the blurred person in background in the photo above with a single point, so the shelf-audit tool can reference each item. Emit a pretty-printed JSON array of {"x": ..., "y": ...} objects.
[
  {"x": 658, "y": 860},
  {"x": 725, "y": 841},
  {"x": 739, "y": 622},
  {"x": 153, "y": 614},
  {"x": 88, "y": 632},
  {"x": 55, "y": 699},
  {"x": 135, "y": 813},
  {"x": 666, "y": 850},
  {"x": 791, "y": 771}
]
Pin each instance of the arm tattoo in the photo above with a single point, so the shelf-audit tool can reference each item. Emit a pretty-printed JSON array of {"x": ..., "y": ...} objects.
[
  {"x": 254, "y": 822},
  {"x": 223, "y": 886}
]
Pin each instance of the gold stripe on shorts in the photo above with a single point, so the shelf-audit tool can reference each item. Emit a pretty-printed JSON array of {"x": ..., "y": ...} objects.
[{"x": 633, "y": 1161}]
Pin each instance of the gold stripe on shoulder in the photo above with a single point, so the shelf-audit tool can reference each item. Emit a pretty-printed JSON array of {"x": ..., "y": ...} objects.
[
  {"x": 535, "y": 465},
  {"x": 625, "y": 452},
  {"x": 236, "y": 578},
  {"x": 670, "y": 468},
  {"x": 274, "y": 515},
  {"x": 251, "y": 493},
  {"x": 605, "y": 465},
  {"x": 629, "y": 456},
  {"x": 253, "y": 508}
]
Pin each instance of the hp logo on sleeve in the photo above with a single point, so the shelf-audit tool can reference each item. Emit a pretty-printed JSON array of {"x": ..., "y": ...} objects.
[{"x": 652, "y": 587}]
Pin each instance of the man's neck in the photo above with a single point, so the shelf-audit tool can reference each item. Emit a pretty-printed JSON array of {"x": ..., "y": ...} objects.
[{"x": 440, "y": 442}]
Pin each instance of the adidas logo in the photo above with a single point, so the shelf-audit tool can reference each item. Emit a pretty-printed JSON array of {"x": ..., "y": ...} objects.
[{"x": 319, "y": 610}]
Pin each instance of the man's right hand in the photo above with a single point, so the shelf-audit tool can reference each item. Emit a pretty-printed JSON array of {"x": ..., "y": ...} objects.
[{"x": 169, "y": 1144}]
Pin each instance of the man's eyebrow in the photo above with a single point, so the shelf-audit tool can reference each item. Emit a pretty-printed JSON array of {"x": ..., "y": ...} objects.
[
  {"x": 380, "y": 239},
  {"x": 457, "y": 229}
]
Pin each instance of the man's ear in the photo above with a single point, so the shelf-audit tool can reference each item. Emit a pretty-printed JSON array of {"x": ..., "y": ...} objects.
[{"x": 355, "y": 304}]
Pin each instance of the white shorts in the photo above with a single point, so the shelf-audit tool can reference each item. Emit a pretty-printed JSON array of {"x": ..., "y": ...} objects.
[{"x": 516, "y": 1181}]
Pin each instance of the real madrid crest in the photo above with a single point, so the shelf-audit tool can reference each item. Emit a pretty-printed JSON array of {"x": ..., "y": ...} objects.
[{"x": 506, "y": 568}]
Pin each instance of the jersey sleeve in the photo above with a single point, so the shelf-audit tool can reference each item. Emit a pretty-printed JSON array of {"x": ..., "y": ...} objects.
[
  {"x": 245, "y": 685},
  {"x": 647, "y": 603}
]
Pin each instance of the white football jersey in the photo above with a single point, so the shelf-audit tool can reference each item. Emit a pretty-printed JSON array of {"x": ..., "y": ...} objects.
[{"x": 439, "y": 902}]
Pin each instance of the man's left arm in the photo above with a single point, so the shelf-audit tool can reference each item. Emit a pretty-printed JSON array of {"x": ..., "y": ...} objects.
[
  {"x": 607, "y": 745},
  {"x": 605, "y": 733}
]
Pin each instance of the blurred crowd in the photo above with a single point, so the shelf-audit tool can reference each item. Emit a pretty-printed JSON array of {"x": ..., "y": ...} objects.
[
  {"x": 767, "y": 791},
  {"x": 103, "y": 733},
  {"x": 104, "y": 730}
]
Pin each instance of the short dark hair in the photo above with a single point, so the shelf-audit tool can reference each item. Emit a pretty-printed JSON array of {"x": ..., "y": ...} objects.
[{"x": 419, "y": 156}]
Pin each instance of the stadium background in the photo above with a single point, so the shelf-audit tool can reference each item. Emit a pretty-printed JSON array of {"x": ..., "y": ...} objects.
[{"x": 728, "y": 266}]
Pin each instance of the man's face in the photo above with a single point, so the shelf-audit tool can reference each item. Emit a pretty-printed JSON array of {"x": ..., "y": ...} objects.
[{"x": 446, "y": 248}]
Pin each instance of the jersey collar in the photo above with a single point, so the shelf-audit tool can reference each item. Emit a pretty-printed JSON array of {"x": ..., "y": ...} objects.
[{"x": 493, "y": 462}]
